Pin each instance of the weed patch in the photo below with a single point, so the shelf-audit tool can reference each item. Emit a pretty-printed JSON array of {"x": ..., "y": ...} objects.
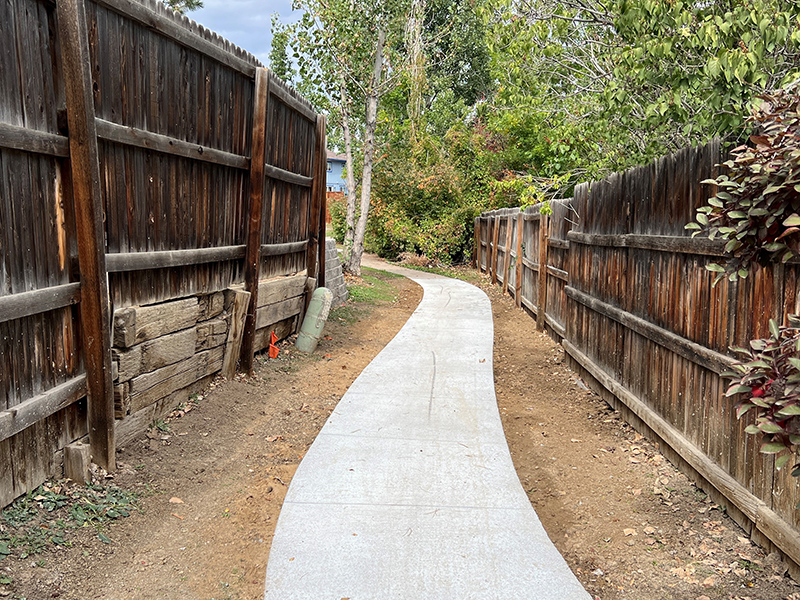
[{"x": 45, "y": 516}]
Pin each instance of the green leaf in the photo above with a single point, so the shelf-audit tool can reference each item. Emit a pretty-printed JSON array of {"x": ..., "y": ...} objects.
[
  {"x": 781, "y": 461},
  {"x": 714, "y": 267},
  {"x": 738, "y": 389},
  {"x": 768, "y": 427},
  {"x": 789, "y": 411},
  {"x": 773, "y": 329},
  {"x": 772, "y": 448},
  {"x": 752, "y": 430},
  {"x": 103, "y": 538}
]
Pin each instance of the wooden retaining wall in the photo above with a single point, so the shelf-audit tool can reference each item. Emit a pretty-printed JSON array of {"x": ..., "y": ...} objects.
[
  {"x": 145, "y": 164},
  {"x": 626, "y": 292}
]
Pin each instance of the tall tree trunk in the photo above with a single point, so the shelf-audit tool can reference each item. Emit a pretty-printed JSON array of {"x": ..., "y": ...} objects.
[
  {"x": 350, "y": 219},
  {"x": 353, "y": 264},
  {"x": 416, "y": 69}
]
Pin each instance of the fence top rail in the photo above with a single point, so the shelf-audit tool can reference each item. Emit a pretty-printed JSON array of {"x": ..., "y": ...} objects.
[{"x": 157, "y": 17}]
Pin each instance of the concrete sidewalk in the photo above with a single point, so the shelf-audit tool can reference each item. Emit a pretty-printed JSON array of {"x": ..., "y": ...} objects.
[{"x": 409, "y": 492}]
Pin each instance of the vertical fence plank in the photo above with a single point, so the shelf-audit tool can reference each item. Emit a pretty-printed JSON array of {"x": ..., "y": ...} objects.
[
  {"x": 544, "y": 222},
  {"x": 495, "y": 236},
  {"x": 316, "y": 228},
  {"x": 85, "y": 176},
  {"x": 518, "y": 288},
  {"x": 476, "y": 239},
  {"x": 507, "y": 253},
  {"x": 252, "y": 265}
]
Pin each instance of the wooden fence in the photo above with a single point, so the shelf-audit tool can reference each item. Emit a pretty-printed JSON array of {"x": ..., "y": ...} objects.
[
  {"x": 626, "y": 292},
  {"x": 142, "y": 158}
]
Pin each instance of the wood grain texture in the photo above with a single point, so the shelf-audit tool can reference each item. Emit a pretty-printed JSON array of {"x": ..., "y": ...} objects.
[
  {"x": 85, "y": 176},
  {"x": 17, "y": 306},
  {"x": 31, "y": 140},
  {"x": 255, "y": 222}
]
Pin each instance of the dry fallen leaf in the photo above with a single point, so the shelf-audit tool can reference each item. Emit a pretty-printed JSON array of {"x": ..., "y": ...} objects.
[
  {"x": 709, "y": 582},
  {"x": 629, "y": 531},
  {"x": 175, "y": 500}
]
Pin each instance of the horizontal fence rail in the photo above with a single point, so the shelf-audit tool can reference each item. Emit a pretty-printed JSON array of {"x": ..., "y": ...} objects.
[{"x": 626, "y": 292}]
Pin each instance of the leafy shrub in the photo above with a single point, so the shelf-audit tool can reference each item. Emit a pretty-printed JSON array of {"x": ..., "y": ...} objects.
[
  {"x": 337, "y": 207},
  {"x": 758, "y": 200},
  {"x": 768, "y": 382}
]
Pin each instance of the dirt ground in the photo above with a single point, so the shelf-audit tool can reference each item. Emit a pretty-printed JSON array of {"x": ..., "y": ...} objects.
[{"x": 211, "y": 481}]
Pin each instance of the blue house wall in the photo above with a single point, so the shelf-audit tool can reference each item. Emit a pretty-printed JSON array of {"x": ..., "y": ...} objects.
[{"x": 335, "y": 179}]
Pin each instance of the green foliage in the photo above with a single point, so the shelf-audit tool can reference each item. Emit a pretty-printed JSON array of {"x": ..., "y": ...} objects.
[
  {"x": 279, "y": 61},
  {"x": 757, "y": 204},
  {"x": 767, "y": 381},
  {"x": 640, "y": 78},
  {"x": 184, "y": 6},
  {"x": 338, "y": 211}
]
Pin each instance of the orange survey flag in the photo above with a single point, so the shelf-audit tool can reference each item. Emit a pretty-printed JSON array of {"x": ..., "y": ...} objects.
[{"x": 274, "y": 351}]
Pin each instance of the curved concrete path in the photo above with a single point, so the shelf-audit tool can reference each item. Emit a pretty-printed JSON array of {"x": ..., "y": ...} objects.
[{"x": 409, "y": 492}]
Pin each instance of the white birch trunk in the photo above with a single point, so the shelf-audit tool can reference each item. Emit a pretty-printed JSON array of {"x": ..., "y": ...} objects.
[
  {"x": 350, "y": 218},
  {"x": 353, "y": 264}
]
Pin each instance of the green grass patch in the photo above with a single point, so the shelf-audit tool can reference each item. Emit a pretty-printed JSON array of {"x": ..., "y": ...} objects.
[{"x": 375, "y": 287}]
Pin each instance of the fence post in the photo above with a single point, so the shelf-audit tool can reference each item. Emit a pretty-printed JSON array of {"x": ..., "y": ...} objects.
[
  {"x": 544, "y": 222},
  {"x": 476, "y": 241},
  {"x": 88, "y": 203},
  {"x": 495, "y": 236},
  {"x": 518, "y": 286},
  {"x": 252, "y": 265},
  {"x": 316, "y": 226},
  {"x": 507, "y": 254}
]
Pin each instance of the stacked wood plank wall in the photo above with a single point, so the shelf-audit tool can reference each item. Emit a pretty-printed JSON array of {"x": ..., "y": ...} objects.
[
  {"x": 141, "y": 123},
  {"x": 628, "y": 295}
]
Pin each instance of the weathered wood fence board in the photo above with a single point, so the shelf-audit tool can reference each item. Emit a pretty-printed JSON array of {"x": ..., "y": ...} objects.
[
  {"x": 628, "y": 295},
  {"x": 126, "y": 156}
]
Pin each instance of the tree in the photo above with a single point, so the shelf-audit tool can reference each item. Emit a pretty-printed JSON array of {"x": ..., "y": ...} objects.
[
  {"x": 279, "y": 62},
  {"x": 346, "y": 49},
  {"x": 656, "y": 75},
  {"x": 184, "y": 6}
]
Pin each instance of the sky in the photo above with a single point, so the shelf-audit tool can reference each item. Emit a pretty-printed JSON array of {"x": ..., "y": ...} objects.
[{"x": 246, "y": 23}]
